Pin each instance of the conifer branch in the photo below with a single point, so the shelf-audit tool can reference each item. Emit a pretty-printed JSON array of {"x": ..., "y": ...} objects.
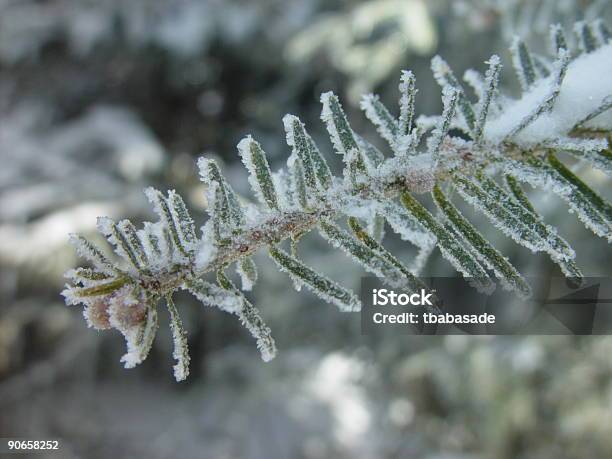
[{"x": 563, "y": 108}]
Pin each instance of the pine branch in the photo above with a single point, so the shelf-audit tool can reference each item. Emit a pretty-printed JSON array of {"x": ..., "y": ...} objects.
[{"x": 563, "y": 108}]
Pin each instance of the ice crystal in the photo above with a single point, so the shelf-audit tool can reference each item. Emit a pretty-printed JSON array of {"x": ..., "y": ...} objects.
[{"x": 564, "y": 107}]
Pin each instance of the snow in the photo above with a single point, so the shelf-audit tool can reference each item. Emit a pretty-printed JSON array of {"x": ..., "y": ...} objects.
[{"x": 583, "y": 91}]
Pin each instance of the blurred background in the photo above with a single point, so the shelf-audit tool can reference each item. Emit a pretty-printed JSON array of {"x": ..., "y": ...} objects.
[{"x": 100, "y": 98}]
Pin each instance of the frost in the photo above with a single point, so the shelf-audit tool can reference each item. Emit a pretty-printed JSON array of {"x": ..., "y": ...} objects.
[
  {"x": 445, "y": 78},
  {"x": 283, "y": 187},
  {"x": 137, "y": 322},
  {"x": 302, "y": 147},
  {"x": 369, "y": 259},
  {"x": 504, "y": 271},
  {"x": 476, "y": 82},
  {"x": 340, "y": 132},
  {"x": 378, "y": 114},
  {"x": 523, "y": 63},
  {"x": 223, "y": 205},
  {"x": 182, "y": 221},
  {"x": 249, "y": 317},
  {"x": 207, "y": 248},
  {"x": 174, "y": 239},
  {"x": 511, "y": 218},
  {"x": 404, "y": 224},
  {"x": 582, "y": 92},
  {"x": 586, "y": 39},
  {"x": 591, "y": 150},
  {"x": 179, "y": 337},
  {"x": 214, "y": 296},
  {"x": 449, "y": 99},
  {"x": 317, "y": 283},
  {"x": 488, "y": 95},
  {"x": 247, "y": 270},
  {"x": 260, "y": 176},
  {"x": 116, "y": 237},
  {"x": 89, "y": 251},
  {"x": 153, "y": 244},
  {"x": 564, "y": 107},
  {"x": 408, "y": 91},
  {"x": 557, "y": 38},
  {"x": 590, "y": 208},
  {"x": 449, "y": 246}
]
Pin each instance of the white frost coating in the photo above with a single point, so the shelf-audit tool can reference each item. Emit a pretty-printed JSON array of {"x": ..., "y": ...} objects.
[
  {"x": 440, "y": 69},
  {"x": 373, "y": 263},
  {"x": 449, "y": 100},
  {"x": 139, "y": 340},
  {"x": 183, "y": 223},
  {"x": 80, "y": 275},
  {"x": 404, "y": 224},
  {"x": 247, "y": 270},
  {"x": 90, "y": 252},
  {"x": 328, "y": 118},
  {"x": 536, "y": 177},
  {"x": 282, "y": 185},
  {"x": 573, "y": 144},
  {"x": 417, "y": 172},
  {"x": 204, "y": 169},
  {"x": 180, "y": 352},
  {"x": 253, "y": 214},
  {"x": 352, "y": 305},
  {"x": 288, "y": 121},
  {"x": 421, "y": 259},
  {"x": 157, "y": 257},
  {"x": 212, "y": 199},
  {"x": 371, "y": 105},
  {"x": 475, "y": 80},
  {"x": 407, "y": 97},
  {"x": 246, "y": 154},
  {"x": 107, "y": 227},
  {"x": 165, "y": 246},
  {"x": 206, "y": 249},
  {"x": 69, "y": 296},
  {"x": 250, "y": 318},
  {"x": 523, "y": 68},
  {"x": 585, "y": 149},
  {"x": 549, "y": 179},
  {"x": 127, "y": 315},
  {"x": 488, "y": 94},
  {"x": 427, "y": 122},
  {"x": 155, "y": 197},
  {"x": 583, "y": 90},
  {"x": 214, "y": 296}
]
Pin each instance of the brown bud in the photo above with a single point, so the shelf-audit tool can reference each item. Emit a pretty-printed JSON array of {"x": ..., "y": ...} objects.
[{"x": 97, "y": 315}]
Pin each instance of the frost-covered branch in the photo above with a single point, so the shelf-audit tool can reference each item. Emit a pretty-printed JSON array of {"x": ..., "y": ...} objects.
[{"x": 564, "y": 107}]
